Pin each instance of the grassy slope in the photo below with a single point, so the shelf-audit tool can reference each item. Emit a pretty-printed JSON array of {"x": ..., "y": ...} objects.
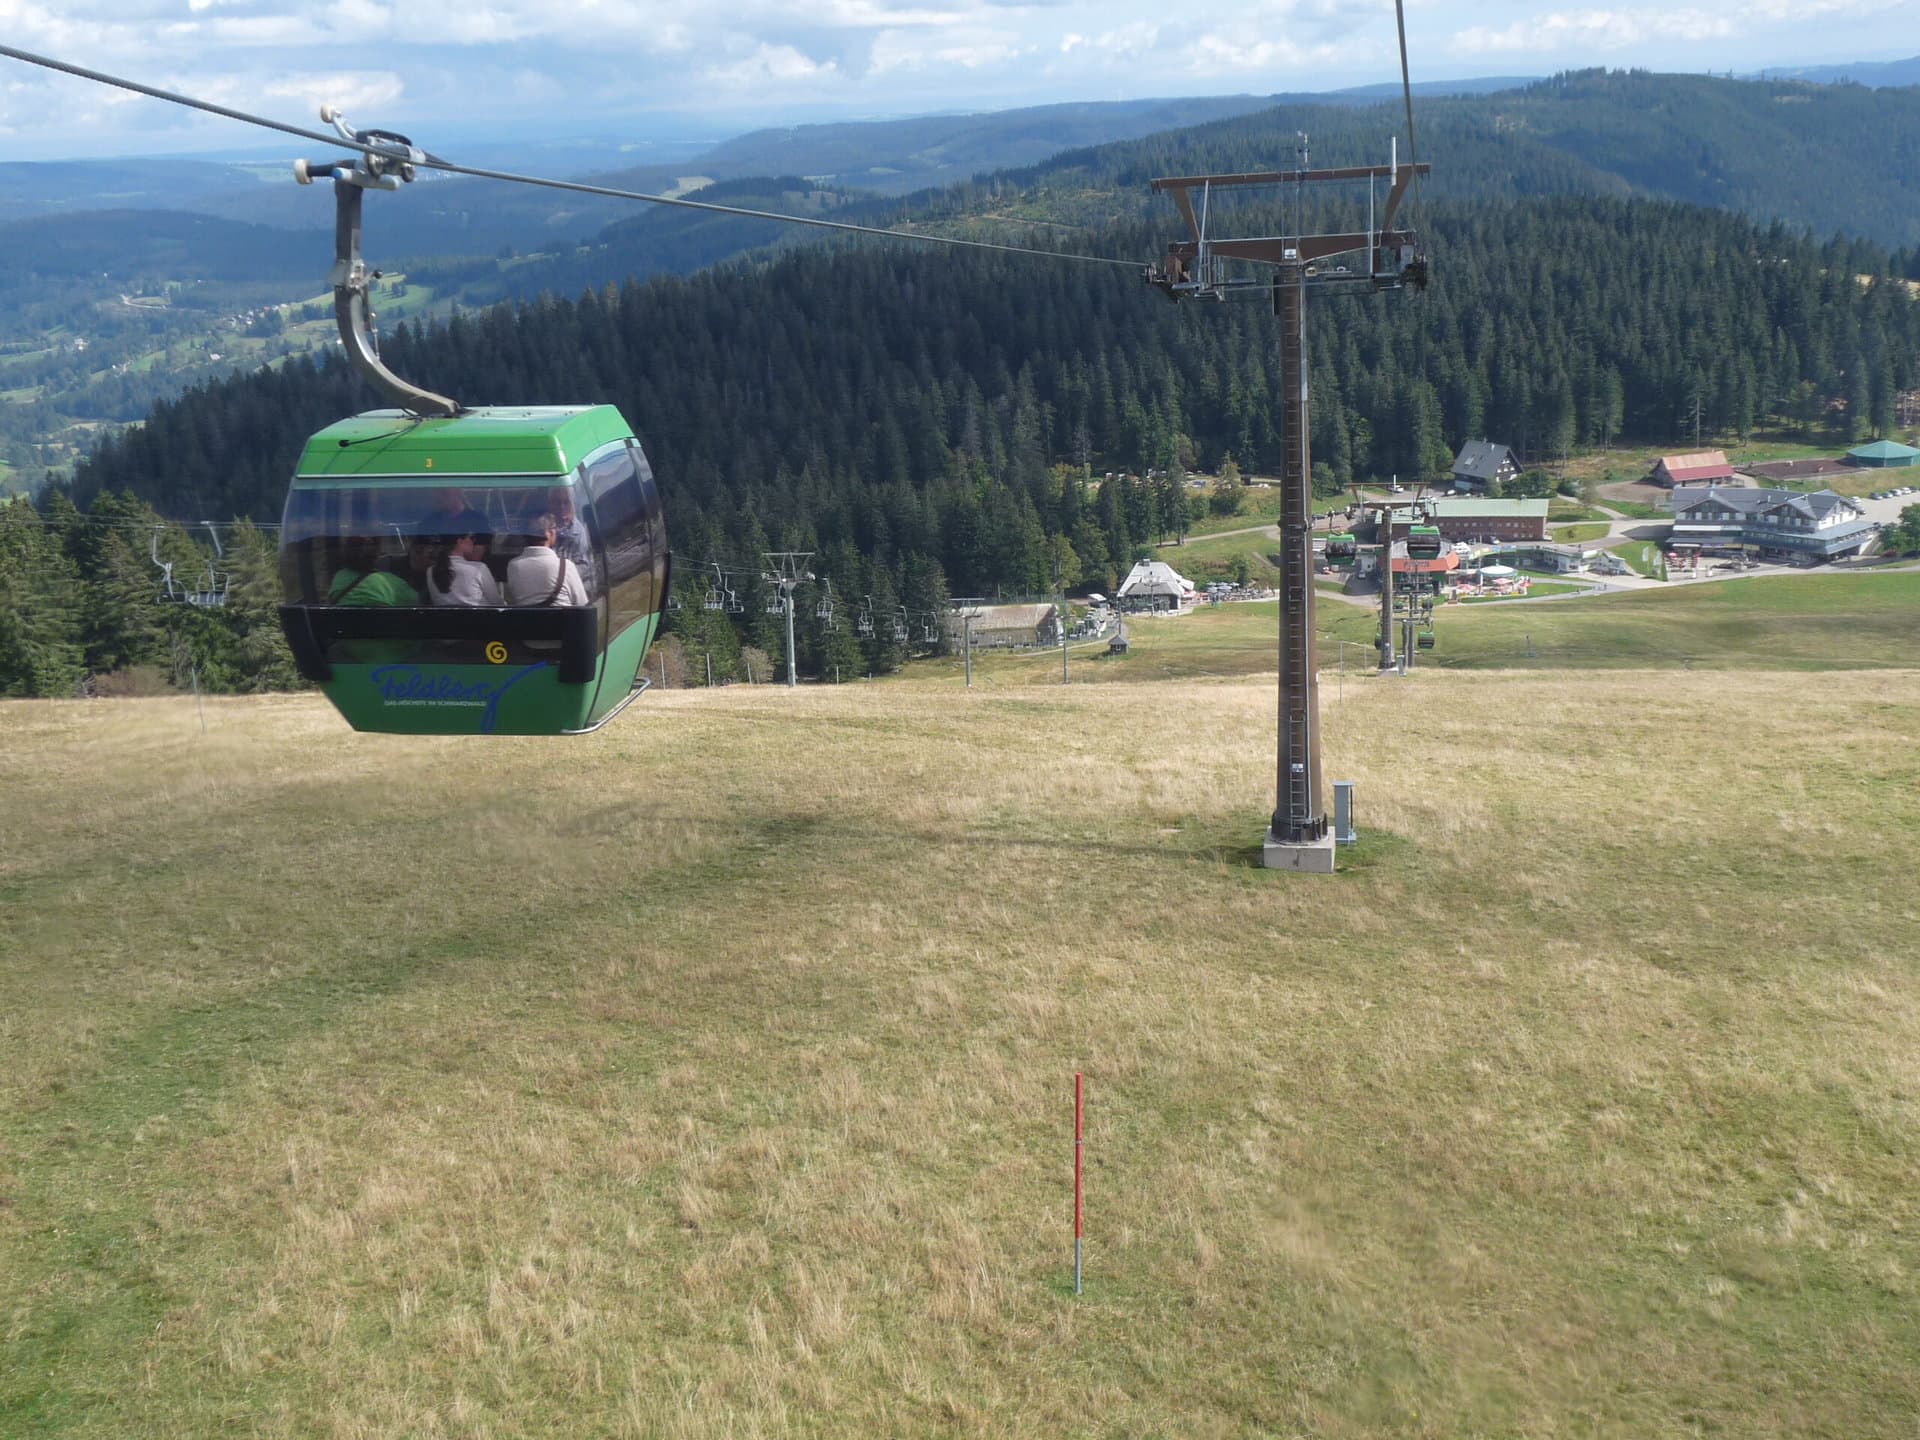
[
  {"x": 736, "y": 1103},
  {"x": 1798, "y": 622},
  {"x": 723, "y": 1091}
]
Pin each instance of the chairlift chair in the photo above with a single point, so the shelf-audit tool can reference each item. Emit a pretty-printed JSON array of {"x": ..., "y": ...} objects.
[
  {"x": 213, "y": 594},
  {"x": 165, "y": 567},
  {"x": 824, "y": 609}
]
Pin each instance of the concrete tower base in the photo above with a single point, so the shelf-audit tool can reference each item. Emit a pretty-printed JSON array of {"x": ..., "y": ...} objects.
[{"x": 1315, "y": 857}]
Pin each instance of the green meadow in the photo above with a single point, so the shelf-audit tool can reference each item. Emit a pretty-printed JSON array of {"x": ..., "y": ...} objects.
[{"x": 712, "y": 1075}]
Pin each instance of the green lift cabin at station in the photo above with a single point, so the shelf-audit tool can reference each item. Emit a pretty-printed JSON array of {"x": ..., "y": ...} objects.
[
  {"x": 1424, "y": 542},
  {"x": 377, "y": 500}
]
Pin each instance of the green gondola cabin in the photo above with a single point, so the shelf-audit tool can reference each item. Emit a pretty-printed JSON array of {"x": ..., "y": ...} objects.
[
  {"x": 1424, "y": 542},
  {"x": 377, "y": 499}
]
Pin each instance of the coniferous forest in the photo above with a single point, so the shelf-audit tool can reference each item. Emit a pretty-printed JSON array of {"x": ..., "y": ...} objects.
[{"x": 933, "y": 421}]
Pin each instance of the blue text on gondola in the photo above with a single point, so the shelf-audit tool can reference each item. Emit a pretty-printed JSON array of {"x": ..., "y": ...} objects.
[{"x": 411, "y": 685}]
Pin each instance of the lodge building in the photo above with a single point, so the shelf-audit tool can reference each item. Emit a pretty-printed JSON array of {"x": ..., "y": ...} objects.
[{"x": 1784, "y": 523}]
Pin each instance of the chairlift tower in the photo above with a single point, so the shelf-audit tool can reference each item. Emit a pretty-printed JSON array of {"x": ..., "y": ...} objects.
[
  {"x": 1386, "y": 258},
  {"x": 1395, "y": 598},
  {"x": 785, "y": 570}
]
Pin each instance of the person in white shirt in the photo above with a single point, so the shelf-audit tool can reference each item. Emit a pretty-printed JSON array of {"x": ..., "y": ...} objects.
[
  {"x": 460, "y": 575},
  {"x": 540, "y": 575}
]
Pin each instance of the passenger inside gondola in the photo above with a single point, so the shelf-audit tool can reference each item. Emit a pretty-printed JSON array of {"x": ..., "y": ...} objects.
[
  {"x": 359, "y": 580},
  {"x": 541, "y": 575},
  {"x": 570, "y": 535},
  {"x": 459, "y": 573}
]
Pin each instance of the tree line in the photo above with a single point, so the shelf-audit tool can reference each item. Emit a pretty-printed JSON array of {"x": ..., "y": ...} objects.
[
  {"x": 948, "y": 420},
  {"x": 82, "y": 603}
]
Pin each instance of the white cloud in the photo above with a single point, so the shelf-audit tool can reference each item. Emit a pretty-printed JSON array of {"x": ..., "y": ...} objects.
[
  {"x": 1131, "y": 41},
  {"x": 252, "y": 32},
  {"x": 779, "y": 63},
  {"x": 431, "y": 66},
  {"x": 365, "y": 92},
  {"x": 1788, "y": 10},
  {"x": 966, "y": 48},
  {"x": 1590, "y": 30},
  {"x": 873, "y": 14},
  {"x": 1238, "y": 52}
]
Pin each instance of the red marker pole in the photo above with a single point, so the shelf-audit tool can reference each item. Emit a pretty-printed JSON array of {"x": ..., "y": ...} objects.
[{"x": 1079, "y": 1132}]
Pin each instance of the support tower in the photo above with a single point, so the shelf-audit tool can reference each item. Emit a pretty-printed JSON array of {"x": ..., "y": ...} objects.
[{"x": 1197, "y": 269}]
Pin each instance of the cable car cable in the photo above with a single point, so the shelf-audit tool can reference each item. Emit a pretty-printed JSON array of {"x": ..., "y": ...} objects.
[
  {"x": 1406, "y": 92},
  {"x": 578, "y": 187}
]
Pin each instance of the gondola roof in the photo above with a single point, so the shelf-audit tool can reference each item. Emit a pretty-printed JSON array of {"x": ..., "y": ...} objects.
[{"x": 493, "y": 440}]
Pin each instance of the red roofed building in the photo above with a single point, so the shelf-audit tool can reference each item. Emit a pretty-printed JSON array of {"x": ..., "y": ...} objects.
[
  {"x": 1444, "y": 563},
  {"x": 1702, "y": 467}
]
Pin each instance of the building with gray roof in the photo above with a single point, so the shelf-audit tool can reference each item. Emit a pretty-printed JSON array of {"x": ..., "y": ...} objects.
[
  {"x": 1804, "y": 528},
  {"x": 1482, "y": 466}
]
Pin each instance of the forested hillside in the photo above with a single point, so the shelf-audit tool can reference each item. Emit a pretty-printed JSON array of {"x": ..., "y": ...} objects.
[
  {"x": 1782, "y": 151},
  {"x": 897, "y": 402},
  {"x": 930, "y": 419},
  {"x": 1550, "y": 324},
  {"x": 1830, "y": 159}
]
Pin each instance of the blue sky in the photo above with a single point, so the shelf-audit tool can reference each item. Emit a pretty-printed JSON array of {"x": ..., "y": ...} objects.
[{"x": 644, "y": 68}]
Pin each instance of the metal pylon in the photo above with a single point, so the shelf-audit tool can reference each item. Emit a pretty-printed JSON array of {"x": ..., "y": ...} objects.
[
  {"x": 1382, "y": 257},
  {"x": 1299, "y": 815}
]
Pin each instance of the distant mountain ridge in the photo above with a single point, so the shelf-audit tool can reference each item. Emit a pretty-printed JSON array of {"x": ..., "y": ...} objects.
[
  {"x": 1830, "y": 158},
  {"x": 31, "y": 188},
  {"x": 1875, "y": 74},
  {"x": 898, "y": 157}
]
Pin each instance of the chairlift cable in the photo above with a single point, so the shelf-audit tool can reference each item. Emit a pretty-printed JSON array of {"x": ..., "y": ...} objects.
[
  {"x": 1406, "y": 93},
  {"x": 82, "y": 520},
  {"x": 577, "y": 187}
]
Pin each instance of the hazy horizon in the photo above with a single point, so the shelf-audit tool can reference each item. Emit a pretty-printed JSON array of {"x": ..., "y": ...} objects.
[{"x": 515, "y": 70}]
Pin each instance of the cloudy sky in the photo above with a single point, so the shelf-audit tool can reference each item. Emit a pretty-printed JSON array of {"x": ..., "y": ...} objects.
[{"x": 470, "y": 68}]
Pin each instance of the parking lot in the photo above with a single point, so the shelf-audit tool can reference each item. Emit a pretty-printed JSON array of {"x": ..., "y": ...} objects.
[{"x": 1887, "y": 511}]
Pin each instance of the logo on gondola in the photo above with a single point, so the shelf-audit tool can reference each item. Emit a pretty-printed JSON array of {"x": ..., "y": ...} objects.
[
  {"x": 496, "y": 652},
  {"x": 410, "y": 685}
]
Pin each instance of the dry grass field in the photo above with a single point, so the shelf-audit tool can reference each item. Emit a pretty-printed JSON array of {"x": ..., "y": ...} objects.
[{"x": 712, "y": 1076}]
